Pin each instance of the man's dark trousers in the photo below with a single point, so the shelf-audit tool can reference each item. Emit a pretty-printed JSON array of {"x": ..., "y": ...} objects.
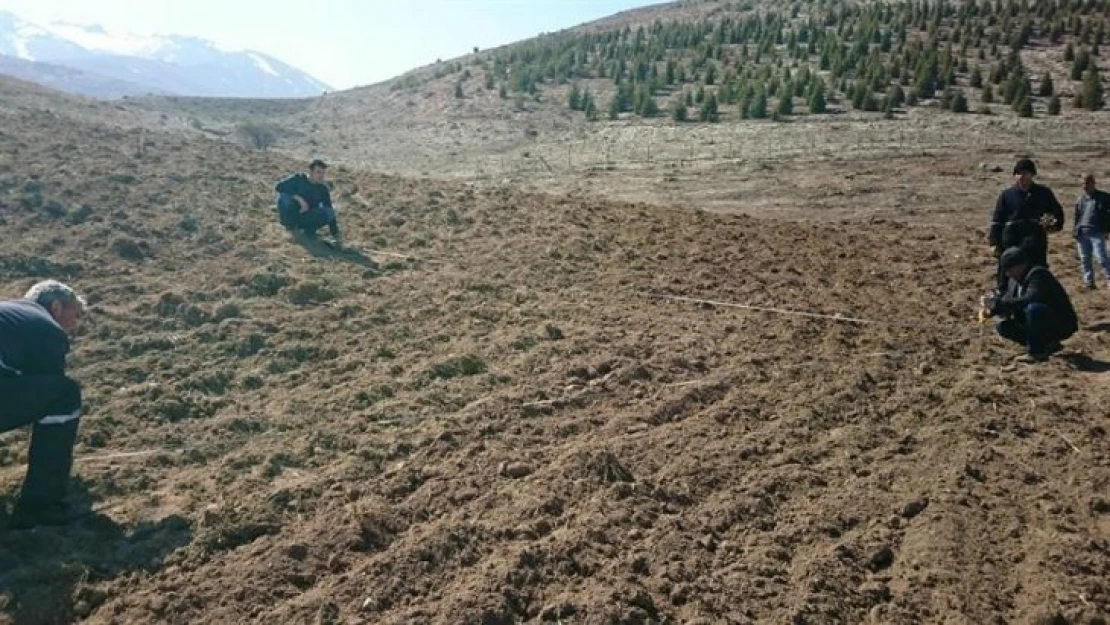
[
  {"x": 316, "y": 217},
  {"x": 1036, "y": 327},
  {"x": 51, "y": 405}
]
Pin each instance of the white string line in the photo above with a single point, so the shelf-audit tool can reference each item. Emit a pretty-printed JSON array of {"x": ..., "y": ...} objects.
[{"x": 799, "y": 313}]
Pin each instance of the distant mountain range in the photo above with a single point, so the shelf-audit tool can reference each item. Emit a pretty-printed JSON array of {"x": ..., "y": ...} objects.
[{"x": 92, "y": 61}]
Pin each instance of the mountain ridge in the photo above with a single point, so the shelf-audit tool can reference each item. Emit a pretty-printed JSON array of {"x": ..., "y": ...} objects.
[{"x": 114, "y": 65}]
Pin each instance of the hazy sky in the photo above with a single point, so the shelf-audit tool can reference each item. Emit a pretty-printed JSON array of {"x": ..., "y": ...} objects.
[{"x": 342, "y": 42}]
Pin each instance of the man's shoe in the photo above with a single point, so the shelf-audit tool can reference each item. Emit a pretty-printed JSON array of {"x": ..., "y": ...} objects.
[
  {"x": 1032, "y": 357},
  {"x": 1088, "y": 286},
  {"x": 28, "y": 515},
  {"x": 1053, "y": 347}
]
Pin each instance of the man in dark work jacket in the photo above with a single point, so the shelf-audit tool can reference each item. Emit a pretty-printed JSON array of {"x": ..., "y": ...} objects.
[
  {"x": 35, "y": 391},
  {"x": 1038, "y": 312},
  {"x": 1022, "y": 218},
  {"x": 304, "y": 203}
]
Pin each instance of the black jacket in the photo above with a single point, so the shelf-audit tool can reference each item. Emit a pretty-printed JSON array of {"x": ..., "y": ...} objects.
[
  {"x": 1101, "y": 219},
  {"x": 1017, "y": 214},
  {"x": 316, "y": 194},
  {"x": 1039, "y": 285},
  {"x": 31, "y": 342}
]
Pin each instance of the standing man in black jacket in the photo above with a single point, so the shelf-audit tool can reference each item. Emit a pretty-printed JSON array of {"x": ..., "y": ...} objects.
[
  {"x": 1023, "y": 216},
  {"x": 1038, "y": 311},
  {"x": 35, "y": 391},
  {"x": 1092, "y": 218},
  {"x": 304, "y": 202}
]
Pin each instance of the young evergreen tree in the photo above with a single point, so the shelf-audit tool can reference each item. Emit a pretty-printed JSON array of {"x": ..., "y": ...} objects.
[
  {"x": 709, "y": 109},
  {"x": 1047, "y": 88},
  {"x": 590, "y": 107},
  {"x": 574, "y": 98},
  {"x": 1054, "y": 105},
  {"x": 1025, "y": 107},
  {"x": 786, "y": 104},
  {"x": 678, "y": 109},
  {"x": 817, "y": 104},
  {"x": 959, "y": 102},
  {"x": 1092, "y": 90},
  {"x": 758, "y": 107}
]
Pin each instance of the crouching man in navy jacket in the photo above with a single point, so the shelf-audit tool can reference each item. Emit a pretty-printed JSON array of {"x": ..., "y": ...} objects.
[
  {"x": 35, "y": 391},
  {"x": 304, "y": 203}
]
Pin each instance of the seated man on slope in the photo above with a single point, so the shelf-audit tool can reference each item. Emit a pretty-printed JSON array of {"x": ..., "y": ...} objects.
[
  {"x": 35, "y": 391},
  {"x": 304, "y": 203},
  {"x": 1038, "y": 311}
]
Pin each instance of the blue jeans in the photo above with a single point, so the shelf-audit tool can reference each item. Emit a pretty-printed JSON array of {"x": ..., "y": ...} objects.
[
  {"x": 1036, "y": 327},
  {"x": 1092, "y": 243},
  {"x": 289, "y": 212}
]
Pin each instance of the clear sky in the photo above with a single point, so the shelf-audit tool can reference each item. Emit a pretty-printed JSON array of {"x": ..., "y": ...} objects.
[{"x": 345, "y": 43}]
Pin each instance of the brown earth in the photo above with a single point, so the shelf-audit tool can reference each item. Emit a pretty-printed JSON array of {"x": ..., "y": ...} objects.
[{"x": 501, "y": 425}]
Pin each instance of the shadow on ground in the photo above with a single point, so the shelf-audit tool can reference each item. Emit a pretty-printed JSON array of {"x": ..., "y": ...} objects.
[
  {"x": 46, "y": 573},
  {"x": 1086, "y": 364},
  {"x": 321, "y": 249}
]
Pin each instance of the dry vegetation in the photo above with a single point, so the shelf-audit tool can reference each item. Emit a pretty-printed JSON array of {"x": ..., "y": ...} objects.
[{"x": 486, "y": 416}]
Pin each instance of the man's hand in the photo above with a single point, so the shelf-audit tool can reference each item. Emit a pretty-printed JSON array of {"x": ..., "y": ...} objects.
[
  {"x": 996, "y": 251},
  {"x": 1050, "y": 223},
  {"x": 302, "y": 202}
]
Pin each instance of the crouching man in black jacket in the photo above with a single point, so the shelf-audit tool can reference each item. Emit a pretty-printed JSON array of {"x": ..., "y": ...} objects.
[
  {"x": 35, "y": 391},
  {"x": 304, "y": 203},
  {"x": 1038, "y": 311}
]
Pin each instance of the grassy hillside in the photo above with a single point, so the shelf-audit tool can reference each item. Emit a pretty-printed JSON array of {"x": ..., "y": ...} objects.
[{"x": 780, "y": 59}]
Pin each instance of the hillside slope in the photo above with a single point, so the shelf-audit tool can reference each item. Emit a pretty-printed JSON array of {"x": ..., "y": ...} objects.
[
  {"x": 499, "y": 424},
  {"x": 890, "y": 74}
]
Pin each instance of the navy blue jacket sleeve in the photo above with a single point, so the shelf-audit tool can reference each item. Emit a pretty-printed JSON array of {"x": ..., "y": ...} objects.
[
  {"x": 998, "y": 220},
  {"x": 49, "y": 356}
]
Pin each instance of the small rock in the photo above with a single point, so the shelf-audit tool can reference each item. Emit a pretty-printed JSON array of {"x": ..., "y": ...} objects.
[
  {"x": 680, "y": 594},
  {"x": 328, "y": 614},
  {"x": 708, "y": 542},
  {"x": 643, "y": 601},
  {"x": 876, "y": 592},
  {"x": 1100, "y": 506},
  {"x": 82, "y": 609},
  {"x": 515, "y": 470},
  {"x": 558, "y": 611},
  {"x": 975, "y": 473},
  {"x": 641, "y": 565},
  {"x": 881, "y": 559},
  {"x": 1049, "y": 617},
  {"x": 914, "y": 508},
  {"x": 297, "y": 552}
]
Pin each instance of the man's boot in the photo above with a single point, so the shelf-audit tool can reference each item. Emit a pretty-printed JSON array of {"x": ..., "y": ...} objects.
[{"x": 42, "y": 500}]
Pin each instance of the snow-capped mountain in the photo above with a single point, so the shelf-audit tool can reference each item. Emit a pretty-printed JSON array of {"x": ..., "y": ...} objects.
[{"x": 110, "y": 64}]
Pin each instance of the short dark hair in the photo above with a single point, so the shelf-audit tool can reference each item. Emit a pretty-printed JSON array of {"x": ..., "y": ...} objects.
[
  {"x": 1013, "y": 257},
  {"x": 1025, "y": 165},
  {"x": 317, "y": 164}
]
